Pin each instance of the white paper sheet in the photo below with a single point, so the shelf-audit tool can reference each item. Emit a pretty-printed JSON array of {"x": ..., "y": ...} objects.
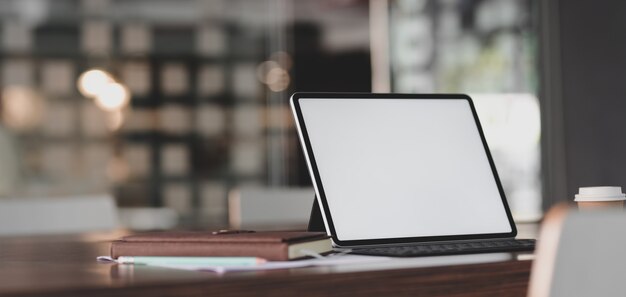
[{"x": 348, "y": 262}]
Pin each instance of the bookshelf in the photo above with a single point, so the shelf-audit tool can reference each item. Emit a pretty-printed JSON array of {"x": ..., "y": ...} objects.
[{"x": 195, "y": 124}]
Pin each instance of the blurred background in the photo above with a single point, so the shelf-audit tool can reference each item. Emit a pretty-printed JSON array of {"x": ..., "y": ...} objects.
[{"x": 177, "y": 110}]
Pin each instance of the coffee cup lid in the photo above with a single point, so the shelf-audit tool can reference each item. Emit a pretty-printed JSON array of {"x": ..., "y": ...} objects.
[{"x": 600, "y": 194}]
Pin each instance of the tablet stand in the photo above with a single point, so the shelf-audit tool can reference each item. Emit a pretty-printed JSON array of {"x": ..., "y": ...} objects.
[{"x": 316, "y": 223}]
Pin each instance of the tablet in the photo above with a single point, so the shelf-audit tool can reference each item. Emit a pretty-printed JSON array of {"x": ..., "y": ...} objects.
[{"x": 400, "y": 168}]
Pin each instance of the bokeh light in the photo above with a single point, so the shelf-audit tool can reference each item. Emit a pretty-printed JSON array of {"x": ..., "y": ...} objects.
[
  {"x": 93, "y": 82},
  {"x": 275, "y": 72},
  {"x": 22, "y": 107},
  {"x": 113, "y": 97},
  {"x": 264, "y": 68},
  {"x": 115, "y": 119},
  {"x": 278, "y": 79}
]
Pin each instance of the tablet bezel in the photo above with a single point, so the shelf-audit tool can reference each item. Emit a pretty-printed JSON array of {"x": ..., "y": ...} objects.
[{"x": 319, "y": 187}]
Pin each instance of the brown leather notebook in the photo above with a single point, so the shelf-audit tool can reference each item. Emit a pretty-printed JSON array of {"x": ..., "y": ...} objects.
[{"x": 270, "y": 245}]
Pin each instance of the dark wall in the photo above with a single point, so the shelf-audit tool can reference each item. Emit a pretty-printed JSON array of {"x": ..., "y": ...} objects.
[
  {"x": 319, "y": 70},
  {"x": 592, "y": 81}
]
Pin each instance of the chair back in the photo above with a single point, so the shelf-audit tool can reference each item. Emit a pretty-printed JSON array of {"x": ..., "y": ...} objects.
[
  {"x": 270, "y": 208},
  {"x": 57, "y": 215},
  {"x": 580, "y": 254}
]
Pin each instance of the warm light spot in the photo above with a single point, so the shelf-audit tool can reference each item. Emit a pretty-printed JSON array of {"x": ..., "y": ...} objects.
[
  {"x": 22, "y": 107},
  {"x": 115, "y": 119},
  {"x": 278, "y": 79},
  {"x": 93, "y": 82},
  {"x": 114, "y": 96},
  {"x": 264, "y": 68},
  {"x": 274, "y": 72}
]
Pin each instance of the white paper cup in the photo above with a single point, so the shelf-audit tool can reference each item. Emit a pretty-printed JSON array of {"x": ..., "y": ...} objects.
[{"x": 600, "y": 197}]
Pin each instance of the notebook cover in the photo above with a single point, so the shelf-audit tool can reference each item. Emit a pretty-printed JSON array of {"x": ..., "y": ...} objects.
[{"x": 271, "y": 245}]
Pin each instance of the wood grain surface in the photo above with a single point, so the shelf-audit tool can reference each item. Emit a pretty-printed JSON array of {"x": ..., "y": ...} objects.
[{"x": 66, "y": 266}]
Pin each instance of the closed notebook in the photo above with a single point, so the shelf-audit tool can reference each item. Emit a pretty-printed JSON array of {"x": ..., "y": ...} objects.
[{"x": 270, "y": 245}]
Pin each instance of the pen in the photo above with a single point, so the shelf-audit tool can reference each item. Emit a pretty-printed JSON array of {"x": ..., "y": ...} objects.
[{"x": 203, "y": 261}]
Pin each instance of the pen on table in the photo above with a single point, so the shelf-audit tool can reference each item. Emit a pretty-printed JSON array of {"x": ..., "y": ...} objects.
[{"x": 205, "y": 261}]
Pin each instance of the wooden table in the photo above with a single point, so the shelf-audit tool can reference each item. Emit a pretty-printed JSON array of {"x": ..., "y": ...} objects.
[{"x": 66, "y": 266}]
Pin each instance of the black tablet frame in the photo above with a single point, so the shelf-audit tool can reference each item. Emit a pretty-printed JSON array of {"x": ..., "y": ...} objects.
[{"x": 321, "y": 196}]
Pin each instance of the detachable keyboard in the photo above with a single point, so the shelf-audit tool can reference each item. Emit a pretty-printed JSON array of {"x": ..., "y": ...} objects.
[{"x": 436, "y": 249}]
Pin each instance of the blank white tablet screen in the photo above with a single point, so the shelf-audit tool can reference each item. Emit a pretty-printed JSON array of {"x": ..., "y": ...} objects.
[{"x": 393, "y": 168}]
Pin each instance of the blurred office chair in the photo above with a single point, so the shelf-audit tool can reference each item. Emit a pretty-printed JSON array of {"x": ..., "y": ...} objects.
[
  {"x": 269, "y": 208},
  {"x": 580, "y": 254},
  {"x": 148, "y": 218},
  {"x": 63, "y": 215}
]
